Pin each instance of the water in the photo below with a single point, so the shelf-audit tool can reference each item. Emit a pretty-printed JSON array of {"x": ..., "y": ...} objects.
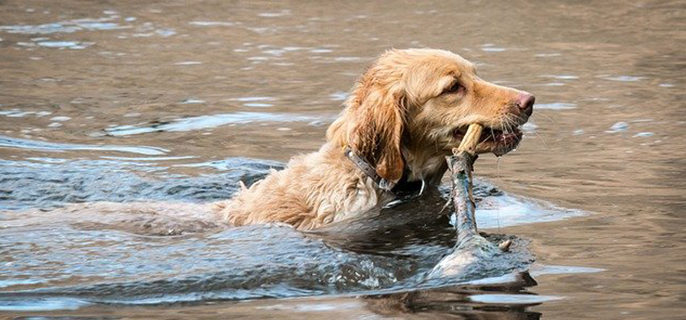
[
  {"x": 168, "y": 105},
  {"x": 169, "y": 248}
]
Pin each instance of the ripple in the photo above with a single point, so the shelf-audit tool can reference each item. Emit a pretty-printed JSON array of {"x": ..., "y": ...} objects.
[
  {"x": 258, "y": 105},
  {"x": 41, "y": 304},
  {"x": 50, "y": 182},
  {"x": 244, "y": 99},
  {"x": 209, "y": 121},
  {"x": 187, "y": 63},
  {"x": 69, "y": 26},
  {"x": 65, "y": 44},
  {"x": 509, "y": 299},
  {"x": 489, "y": 47},
  {"x": 60, "y": 118},
  {"x": 230, "y": 164},
  {"x": 212, "y": 23},
  {"x": 255, "y": 102},
  {"x": 555, "y": 106},
  {"x": 18, "y": 113},
  {"x": 624, "y": 78},
  {"x": 553, "y": 269},
  {"x": 274, "y": 14},
  {"x": 561, "y": 76},
  {"x": 321, "y": 50},
  {"x": 618, "y": 127},
  {"x": 192, "y": 101},
  {"x": 9, "y": 142},
  {"x": 493, "y": 49},
  {"x": 347, "y": 59},
  {"x": 338, "y": 96},
  {"x": 165, "y": 32},
  {"x": 148, "y": 158}
]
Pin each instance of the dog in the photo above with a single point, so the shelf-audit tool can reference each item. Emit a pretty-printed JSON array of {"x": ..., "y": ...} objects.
[{"x": 403, "y": 116}]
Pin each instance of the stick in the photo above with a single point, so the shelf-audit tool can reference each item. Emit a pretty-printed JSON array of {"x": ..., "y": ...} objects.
[
  {"x": 471, "y": 138},
  {"x": 460, "y": 164},
  {"x": 472, "y": 250}
]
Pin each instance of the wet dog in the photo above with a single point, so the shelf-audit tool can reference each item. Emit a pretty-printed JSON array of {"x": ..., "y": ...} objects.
[{"x": 404, "y": 114}]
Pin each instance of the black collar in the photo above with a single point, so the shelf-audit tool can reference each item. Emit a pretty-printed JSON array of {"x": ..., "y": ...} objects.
[
  {"x": 369, "y": 170},
  {"x": 401, "y": 190}
]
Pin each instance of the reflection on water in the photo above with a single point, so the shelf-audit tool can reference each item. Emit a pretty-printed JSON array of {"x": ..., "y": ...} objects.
[
  {"x": 66, "y": 26},
  {"x": 154, "y": 101},
  {"x": 556, "y": 106},
  {"x": 9, "y": 142},
  {"x": 208, "y": 121}
]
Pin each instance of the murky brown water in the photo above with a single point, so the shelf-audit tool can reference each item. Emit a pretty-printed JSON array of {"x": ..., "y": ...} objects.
[{"x": 185, "y": 85}]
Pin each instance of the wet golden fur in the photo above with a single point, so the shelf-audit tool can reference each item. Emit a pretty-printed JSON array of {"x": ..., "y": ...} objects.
[{"x": 401, "y": 117}]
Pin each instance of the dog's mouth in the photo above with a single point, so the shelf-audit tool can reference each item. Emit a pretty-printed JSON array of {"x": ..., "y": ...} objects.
[{"x": 497, "y": 141}]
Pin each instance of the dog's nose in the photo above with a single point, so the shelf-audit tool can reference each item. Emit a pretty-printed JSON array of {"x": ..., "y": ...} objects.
[{"x": 525, "y": 102}]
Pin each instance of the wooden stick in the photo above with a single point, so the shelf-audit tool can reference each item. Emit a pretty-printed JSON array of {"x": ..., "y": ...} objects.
[
  {"x": 472, "y": 250},
  {"x": 460, "y": 165},
  {"x": 471, "y": 138}
]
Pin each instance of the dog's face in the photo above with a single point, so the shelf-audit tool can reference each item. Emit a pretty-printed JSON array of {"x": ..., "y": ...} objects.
[
  {"x": 415, "y": 105},
  {"x": 446, "y": 96}
]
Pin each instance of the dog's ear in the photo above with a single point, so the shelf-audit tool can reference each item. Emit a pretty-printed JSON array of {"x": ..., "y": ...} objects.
[{"x": 376, "y": 120}]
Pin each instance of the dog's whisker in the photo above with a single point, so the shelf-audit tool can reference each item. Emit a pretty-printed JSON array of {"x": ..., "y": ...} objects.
[
  {"x": 539, "y": 136},
  {"x": 552, "y": 120}
]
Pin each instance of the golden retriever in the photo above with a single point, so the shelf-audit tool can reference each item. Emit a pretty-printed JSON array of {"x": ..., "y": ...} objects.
[{"x": 406, "y": 112}]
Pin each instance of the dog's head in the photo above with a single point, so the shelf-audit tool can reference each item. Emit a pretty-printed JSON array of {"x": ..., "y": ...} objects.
[{"x": 413, "y": 106}]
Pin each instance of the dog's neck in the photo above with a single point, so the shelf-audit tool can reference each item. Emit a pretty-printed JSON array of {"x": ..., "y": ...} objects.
[
  {"x": 369, "y": 170},
  {"x": 424, "y": 164},
  {"x": 409, "y": 186},
  {"x": 419, "y": 169}
]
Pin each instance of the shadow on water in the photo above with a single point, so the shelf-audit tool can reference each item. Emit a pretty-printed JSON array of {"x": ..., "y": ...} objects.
[{"x": 83, "y": 232}]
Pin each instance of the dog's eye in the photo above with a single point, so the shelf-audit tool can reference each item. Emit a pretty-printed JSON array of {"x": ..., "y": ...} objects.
[{"x": 454, "y": 88}]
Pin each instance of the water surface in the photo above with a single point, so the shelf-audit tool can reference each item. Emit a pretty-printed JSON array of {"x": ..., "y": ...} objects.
[{"x": 164, "y": 102}]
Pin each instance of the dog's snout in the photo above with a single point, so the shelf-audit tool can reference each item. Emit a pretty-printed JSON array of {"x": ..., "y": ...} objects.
[{"x": 525, "y": 102}]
